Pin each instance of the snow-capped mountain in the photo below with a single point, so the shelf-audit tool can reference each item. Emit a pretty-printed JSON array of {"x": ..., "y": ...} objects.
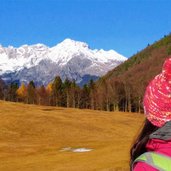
[{"x": 69, "y": 59}]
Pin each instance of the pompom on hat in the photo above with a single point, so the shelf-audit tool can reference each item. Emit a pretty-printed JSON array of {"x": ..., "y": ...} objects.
[{"x": 157, "y": 98}]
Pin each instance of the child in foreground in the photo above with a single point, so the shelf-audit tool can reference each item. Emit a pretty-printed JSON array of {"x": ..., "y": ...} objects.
[{"x": 152, "y": 149}]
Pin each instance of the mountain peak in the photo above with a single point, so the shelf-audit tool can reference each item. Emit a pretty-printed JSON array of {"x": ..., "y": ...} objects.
[
  {"x": 69, "y": 42},
  {"x": 39, "y": 45},
  {"x": 68, "y": 59}
]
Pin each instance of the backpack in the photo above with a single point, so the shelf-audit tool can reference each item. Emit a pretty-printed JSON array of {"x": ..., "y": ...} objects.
[{"x": 156, "y": 160}]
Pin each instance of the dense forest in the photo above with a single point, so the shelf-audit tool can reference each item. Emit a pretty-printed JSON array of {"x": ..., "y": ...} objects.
[
  {"x": 56, "y": 93},
  {"x": 134, "y": 75},
  {"x": 121, "y": 89}
]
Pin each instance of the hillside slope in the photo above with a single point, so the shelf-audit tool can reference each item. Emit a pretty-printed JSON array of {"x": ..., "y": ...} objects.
[
  {"x": 146, "y": 63},
  {"x": 124, "y": 86},
  {"x": 32, "y": 137}
]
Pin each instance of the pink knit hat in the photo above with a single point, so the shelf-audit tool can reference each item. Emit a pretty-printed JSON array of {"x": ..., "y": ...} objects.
[{"x": 157, "y": 98}]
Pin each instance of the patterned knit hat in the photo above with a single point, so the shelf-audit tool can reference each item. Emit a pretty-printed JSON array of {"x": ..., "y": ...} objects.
[{"x": 157, "y": 98}]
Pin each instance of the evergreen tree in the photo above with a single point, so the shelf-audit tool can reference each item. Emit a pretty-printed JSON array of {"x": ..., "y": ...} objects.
[
  {"x": 74, "y": 95},
  {"x": 2, "y": 89},
  {"x": 12, "y": 92},
  {"x": 92, "y": 94},
  {"x": 31, "y": 93},
  {"x": 57, "y": 91},
  {"x": 67, "y": 92}
]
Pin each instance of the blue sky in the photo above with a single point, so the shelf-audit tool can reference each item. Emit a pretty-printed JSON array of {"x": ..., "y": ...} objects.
[{"x": 126, "y": 26}]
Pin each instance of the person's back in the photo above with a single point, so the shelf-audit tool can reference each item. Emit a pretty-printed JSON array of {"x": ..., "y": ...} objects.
[
  {"x": 159, "y": 145},
  {"x": 152, "y": 149}
]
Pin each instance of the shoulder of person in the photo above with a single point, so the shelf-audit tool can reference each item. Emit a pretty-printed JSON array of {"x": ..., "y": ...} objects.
[{"x": 142, "y": 166}]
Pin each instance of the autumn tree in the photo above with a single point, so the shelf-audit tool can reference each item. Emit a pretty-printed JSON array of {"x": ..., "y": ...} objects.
[
  {"x": 42, "y": 95},
  {"x": 92, "y": 87},
  {"x": 117, "y": 93},
  {"x": 78, "y": 97},
  {"x": 22, "y": 93},
  {"x": 85, "y": 97},
  {"x": 49, "y": 93},
  {"x": 105, "y": 95},
  {"x": 128, "y": 93}
]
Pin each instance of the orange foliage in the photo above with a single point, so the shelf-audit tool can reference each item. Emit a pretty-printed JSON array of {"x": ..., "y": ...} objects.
[
  {"x": 22, "y": 91},
  {"x": 49, "y": 88}
]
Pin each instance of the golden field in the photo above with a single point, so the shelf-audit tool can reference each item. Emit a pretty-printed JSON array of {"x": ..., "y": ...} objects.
[{"x": 31, "y": 138}]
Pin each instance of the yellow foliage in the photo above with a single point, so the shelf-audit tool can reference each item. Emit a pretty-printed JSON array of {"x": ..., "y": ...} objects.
[
  {"x": 49, "y": 88},
  {"x": 22, "y": 91}
]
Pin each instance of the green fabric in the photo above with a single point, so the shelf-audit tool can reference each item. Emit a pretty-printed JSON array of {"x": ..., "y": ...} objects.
[{"x": 156, "y": 160}]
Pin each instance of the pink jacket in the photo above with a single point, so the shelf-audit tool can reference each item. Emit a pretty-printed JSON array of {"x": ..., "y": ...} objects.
[{"x": 157, "y": 145}]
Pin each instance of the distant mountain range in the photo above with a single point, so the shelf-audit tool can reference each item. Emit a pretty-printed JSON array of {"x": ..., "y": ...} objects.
[{"x": 68, "y": 59}]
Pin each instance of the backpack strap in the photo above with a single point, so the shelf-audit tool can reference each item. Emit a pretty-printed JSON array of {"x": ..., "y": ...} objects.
[{"x": 156, "y": 160}]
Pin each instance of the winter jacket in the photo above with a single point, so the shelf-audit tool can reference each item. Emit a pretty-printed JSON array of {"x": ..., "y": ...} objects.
[{"x": 159, "y": 142}]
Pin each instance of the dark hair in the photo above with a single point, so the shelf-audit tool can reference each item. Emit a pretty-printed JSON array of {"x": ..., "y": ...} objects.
[{"x": 139, "y": 146}]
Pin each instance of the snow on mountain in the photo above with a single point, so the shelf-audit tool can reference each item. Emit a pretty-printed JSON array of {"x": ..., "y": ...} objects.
[
  {"x": 69, "y": 59},
  {"x": 13, "y": 59}
]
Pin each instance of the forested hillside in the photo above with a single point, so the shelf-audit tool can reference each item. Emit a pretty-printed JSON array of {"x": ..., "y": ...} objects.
[{"x": 124, "y": 86}]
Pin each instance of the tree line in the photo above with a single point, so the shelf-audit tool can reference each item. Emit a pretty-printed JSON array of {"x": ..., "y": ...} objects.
[
  {"x": 109, "y": 95},
  {"x": 56, "y": 93}
]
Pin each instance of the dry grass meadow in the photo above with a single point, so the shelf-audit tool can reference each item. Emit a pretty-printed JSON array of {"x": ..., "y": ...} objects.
[{"x": 31, "y": 138}]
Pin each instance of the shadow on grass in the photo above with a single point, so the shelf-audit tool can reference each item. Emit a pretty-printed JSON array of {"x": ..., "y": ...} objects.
[
  {"x": 51, "y": 109},
  {"x": 117, "y": 169}
]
